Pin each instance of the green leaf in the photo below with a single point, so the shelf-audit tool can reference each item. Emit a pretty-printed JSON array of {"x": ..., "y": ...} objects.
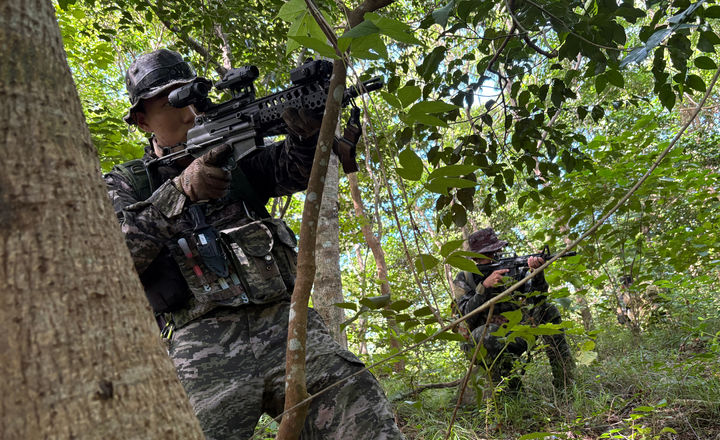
[
  {"x": 427, "y": 120},
  {"x": 423, "y": 311},
  {"x": 425, "y": 262},
  {"x": 363, "y": 29},
  {"x": 375, "y": 302},
  {"x": 600, "y": 83},
  {"x": 450, "y": 246},
  {"x": 712, "y": 12},
  {"x": 459, "y": 215},
  {"x": 514, "y": 317},
  {"x": 695, "y": 82},
  {"x": 426, "y": 107},
  {"x": 399, "y": 305},
  {"x": 291, "y": 9},
  {"x": 431, "y": 62},
  {"x": 585, "y": 358},
  {"x": 462, "y": 263},
  {"x": 667, "y": 97},
  {"x": 346, "y": 305},
  {"x": 391, "y": 99},
  {"x": 409, "y": 94},
  {"x": 644, "y": 408},
  {"x": 440, "y": 185},
  {"x": 65, "y": 3},
  {"x": 615, "y": 78},
  {"x": 441, "y": 15},
  {"x": 369, "y": 47},
  {"x": 453, "y": 170},
  {"x": 392, "y": 28},
  {"x": 449, "y": 336},
  {"x": 705, "y": 62},
  {"x": 411, "y": 165},
  {"x": 318, "y": 46}
]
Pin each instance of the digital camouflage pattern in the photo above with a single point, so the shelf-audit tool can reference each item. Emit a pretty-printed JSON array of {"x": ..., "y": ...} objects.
[
  {"x": 469, "y": 294},
  {"x": 232, "y": 363},
  {"x": 229, "y": 339}
]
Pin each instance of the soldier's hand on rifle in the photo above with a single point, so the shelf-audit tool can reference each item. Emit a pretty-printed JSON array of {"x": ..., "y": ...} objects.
[
  {"x": 535, "y": 262},
  {"x": 301, "y": 123},
  {"x": 205, "y": 178},
  {"x": 494, "y": 278}
]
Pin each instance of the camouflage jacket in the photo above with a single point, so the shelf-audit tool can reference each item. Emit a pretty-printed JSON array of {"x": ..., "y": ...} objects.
[
  {"x": 153, "y": 227},
  {"x": 469, "y": 294}
]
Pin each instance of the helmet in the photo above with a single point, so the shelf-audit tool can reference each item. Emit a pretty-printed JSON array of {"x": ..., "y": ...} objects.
[
  {"x": 485, "y": 240},
  {"x": 153, "y": 73}
]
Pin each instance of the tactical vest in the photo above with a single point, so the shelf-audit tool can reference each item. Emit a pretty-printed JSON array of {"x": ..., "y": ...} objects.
[{"x": 259, "y": 255}]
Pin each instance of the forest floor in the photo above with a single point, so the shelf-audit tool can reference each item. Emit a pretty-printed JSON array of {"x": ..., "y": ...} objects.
[{"x": 661, "y": 385}]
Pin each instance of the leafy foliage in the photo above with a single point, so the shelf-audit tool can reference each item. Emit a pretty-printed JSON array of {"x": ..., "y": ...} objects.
[{"x": 530, "y": 116}]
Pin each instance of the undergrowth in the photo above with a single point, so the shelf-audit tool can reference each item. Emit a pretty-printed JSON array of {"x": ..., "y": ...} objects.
[{"x": 664, "y": 384}]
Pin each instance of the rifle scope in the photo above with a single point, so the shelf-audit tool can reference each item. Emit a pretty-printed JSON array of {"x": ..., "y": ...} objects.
[{"x": 194, "y": 93}]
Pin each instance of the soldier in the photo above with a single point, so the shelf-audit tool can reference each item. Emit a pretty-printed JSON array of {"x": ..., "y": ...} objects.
[
  {"x": 218, "y": 271},
  {"x": 471, "y": 291}
]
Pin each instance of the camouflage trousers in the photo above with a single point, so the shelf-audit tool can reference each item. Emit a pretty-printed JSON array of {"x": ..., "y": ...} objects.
[
  {"x": 232, "y": 365},
  {"x": 503, "y": 354}
]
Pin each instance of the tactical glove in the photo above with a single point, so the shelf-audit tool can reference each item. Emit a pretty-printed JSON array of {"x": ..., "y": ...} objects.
[
  {"x": 301, "y": 124},
  {"x": 204, "y": 178}
]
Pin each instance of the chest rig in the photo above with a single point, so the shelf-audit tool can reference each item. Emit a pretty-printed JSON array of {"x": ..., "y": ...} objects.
[{"x": 248, "y": 258}]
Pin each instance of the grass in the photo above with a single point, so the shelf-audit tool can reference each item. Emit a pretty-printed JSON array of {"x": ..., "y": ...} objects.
[{"x": 663, "y": 385}]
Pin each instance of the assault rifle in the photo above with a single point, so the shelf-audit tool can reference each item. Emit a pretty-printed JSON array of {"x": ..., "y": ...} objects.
[
  {"x": 516, "y": 263},
  {"x": 244, "y": 121}
]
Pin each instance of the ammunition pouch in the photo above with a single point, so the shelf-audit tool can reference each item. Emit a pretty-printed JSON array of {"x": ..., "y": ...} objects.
[
  {"x": 261, "y": 261},
  {"x": 263, "y": 255}
]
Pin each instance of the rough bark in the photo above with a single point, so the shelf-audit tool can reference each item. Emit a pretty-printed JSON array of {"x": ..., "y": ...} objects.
[
  {"x": 295, "y": 386},
  {"x": 81, "y": 353},
  {"x": 328, "y": 285}
]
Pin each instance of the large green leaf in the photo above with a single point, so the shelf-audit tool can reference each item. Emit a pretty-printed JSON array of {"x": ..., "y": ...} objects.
[
  {"x": 291, "y": 9},
  {"x": 411, "y": 166},
  {"x": 440, "y": 185},
  {"x": 431, "y": 62},
  {"x": 426, "y": 107},
  {"x": 375, "y": 302},
  {"x": 450, "y": 246},
  {"x": 441, "y": 15},
  {"x": 392, "y": 28},
  {"x": 408, "y": 94},
  {"x": 453, "y": 170},
  {"x": 462, "y": 264},
  {"x": 321, "y": 47},
  {"x": 425, "y": 262}
]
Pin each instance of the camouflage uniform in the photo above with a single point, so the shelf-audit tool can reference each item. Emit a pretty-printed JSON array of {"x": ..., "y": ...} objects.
[
  {"x": 230, "y": 333},
  {"x": 470, "y": 294}
]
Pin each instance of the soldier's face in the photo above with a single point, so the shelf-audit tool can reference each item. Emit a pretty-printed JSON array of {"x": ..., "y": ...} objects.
[{"x": 169, "y": 124}]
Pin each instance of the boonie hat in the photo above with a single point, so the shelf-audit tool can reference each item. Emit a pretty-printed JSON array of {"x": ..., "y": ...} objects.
[
  {"x": 485, "y": 240},
  {"x": 153, "y": 73}
]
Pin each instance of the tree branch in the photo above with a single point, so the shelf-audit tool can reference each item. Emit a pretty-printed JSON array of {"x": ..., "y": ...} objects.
[{"x": 296, "y": 395}]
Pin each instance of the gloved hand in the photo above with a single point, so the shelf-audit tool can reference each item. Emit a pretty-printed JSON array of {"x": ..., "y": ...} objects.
[
  {"x": 205, "y": 178},
  {"x": 301, "y": 123}
]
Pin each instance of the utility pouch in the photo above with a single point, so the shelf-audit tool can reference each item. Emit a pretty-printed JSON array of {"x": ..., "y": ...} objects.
[
  {"x": 206, "y": 285},
  {"x": 253, "y": 249},
  {"x": 284, "y": 250}
]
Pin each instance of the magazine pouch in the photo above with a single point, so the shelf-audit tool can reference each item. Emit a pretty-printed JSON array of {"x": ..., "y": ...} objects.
[
  {"x": 257, "y": 254},
  {"x": 206, "y": 285}
]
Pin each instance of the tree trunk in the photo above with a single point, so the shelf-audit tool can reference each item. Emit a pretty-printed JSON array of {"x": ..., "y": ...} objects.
[
  {"x": 81, "y": 353},
  {"x": 382, "y": 273},
  {"x": 328, "y": 282}
]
